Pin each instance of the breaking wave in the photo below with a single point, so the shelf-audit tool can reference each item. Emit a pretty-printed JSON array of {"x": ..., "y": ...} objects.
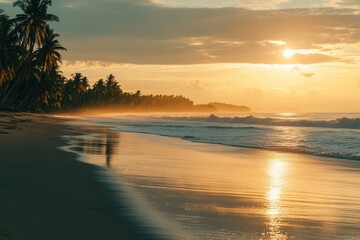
[
  {"x": 351, "y": 123},
  {"x": 337, "y": 138}
]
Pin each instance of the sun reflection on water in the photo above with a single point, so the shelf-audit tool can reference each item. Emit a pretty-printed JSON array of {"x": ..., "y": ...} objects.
[{"x": 276, "y": 172}]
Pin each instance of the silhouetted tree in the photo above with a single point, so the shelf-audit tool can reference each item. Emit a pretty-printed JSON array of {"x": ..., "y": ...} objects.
[
  {"x": 48, "y": 56},
  {"x": 113, "y": 90},
  {"x": 30, "y": 79},
  {"x": 9, "y": 49},
  {"x": 76, "y": 91},
  {"x": 33, "y": 22},
  {"x": 31, "y": 35},
  {"x": 98, "y": 93}
]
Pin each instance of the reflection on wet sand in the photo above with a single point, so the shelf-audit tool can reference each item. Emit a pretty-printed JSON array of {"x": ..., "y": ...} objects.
[
  {"x": 218, "y": 192},
  {"x": 112, "y": 141},
  {"x": 102, "y": 142},
  {"x": 277, "y": 175}
]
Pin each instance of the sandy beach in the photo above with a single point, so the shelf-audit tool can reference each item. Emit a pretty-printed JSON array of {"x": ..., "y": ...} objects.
[
  {"x": 210, "y": 191},
  {"x": 46, "y": 193},
  {"x": 179, "y": 120},
  {"x": 174, "y": 188}
]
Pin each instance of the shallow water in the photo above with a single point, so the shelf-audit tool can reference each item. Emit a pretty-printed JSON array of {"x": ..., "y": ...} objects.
[
  {"x": 328, "y": 135},
  {"x": 205, "y": 191}
]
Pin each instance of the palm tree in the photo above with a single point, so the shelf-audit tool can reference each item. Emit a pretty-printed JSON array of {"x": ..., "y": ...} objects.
[
  {"x": 9, "y": 50},
  {"x": 32, "y": 23},
  {"x": 32, "y": 29},
  {"x": 10, "y": 54},
  {"x": 113, "y": 90},
  {"x": 76, "y": 91},
  {"x": 50, "y": 92},
  {"x": 46, "y": 60},
  {"x": 48, "y": 55},
  {"x": 98, "y": 93}
]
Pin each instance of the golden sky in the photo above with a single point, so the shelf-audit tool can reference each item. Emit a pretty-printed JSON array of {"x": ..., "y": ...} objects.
[{"x": 271, "y": 55}]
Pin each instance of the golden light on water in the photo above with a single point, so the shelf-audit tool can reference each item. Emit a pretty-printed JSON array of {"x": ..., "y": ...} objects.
[
  {"x": 276, "y": 182},
  {"x": 266, "y": 195},
  {"x": 289, "y": 137},
  {"x": 277, "y": 175},
  {"x": 287, "y": 114}
]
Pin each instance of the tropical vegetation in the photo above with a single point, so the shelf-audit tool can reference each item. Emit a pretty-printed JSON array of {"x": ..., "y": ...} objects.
[{"x": 30, "y": 79}]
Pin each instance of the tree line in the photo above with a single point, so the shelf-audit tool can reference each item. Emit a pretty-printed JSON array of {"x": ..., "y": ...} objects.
[{"x": 30, "y": 79}]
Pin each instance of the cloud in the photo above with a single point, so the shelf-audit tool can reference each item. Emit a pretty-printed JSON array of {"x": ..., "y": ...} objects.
[
  {"x": 308, "y": 74},
  {"x": 195, "y": 85},
  {"x": 88, "y": 64},
  {"x": 146, "y": 21},
  {"x": 349, "y": 2},
  {"x": 140, "y": 51},
  {"x": 249, "y": 4},
  {"x": 344, "y": 3},
  {"x": 141, "y": 32},
  {"x": 297, "y": 69}
]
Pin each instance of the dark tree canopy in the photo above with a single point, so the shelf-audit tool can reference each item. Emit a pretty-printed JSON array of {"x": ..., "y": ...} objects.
[{"x": 30, "y": 80}]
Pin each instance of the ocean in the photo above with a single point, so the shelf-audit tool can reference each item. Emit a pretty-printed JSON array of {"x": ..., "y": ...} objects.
[
  {"x": 230, "y": 176},
  {"x": 334, "y": 135}
]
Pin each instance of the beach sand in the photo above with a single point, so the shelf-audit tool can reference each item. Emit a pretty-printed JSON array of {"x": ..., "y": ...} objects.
[
  {"x": 209, "y": 191},
  {"x": 190, "y": 190},
  {"x": 46, "y": 193}
]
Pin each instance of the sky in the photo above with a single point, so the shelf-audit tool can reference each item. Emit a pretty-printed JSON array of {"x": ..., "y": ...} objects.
[{"x": 270, "y": 55}]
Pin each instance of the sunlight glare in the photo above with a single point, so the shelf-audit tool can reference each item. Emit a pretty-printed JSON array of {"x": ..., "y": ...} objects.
[
  {"x": 288, "y": 53},
  {"x": 287, "y": 114},
  {"x": 276, "y": 173}
]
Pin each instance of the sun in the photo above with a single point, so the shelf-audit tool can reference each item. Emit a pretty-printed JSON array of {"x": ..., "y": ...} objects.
[{"x": 288, "y": 53}]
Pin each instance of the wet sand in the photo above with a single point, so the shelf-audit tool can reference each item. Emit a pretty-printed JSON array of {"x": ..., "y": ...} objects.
[
  {"x": 190, "y": 190},
  {"x": 46, "y": 194},
  {"x": 207, "y": 191}
]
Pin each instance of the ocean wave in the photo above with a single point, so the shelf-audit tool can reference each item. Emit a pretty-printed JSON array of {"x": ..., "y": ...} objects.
[
  {"x": 337, "y": 155},
  {"x": 299, "y": 150},
  {"x": 350, "y": 123},
  {"x": 164, "y": 125},
  {"x": 189, "y": 138},
  {"x": 327, "y": 138},
  {"x": 229, "y": 127}
]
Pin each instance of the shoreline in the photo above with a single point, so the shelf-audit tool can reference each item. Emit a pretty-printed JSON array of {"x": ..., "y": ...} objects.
[
  {"x": 264, "y": 192},
  {"x": 311, "y": 140},
  {"x": 249, "y": 148},
  {"x": 47, "y": 193},
  {"x": 51, "y": 194}
]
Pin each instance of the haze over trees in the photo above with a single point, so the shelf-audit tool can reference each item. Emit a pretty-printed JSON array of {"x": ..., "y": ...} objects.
[{"x": 30, "y": 79}]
